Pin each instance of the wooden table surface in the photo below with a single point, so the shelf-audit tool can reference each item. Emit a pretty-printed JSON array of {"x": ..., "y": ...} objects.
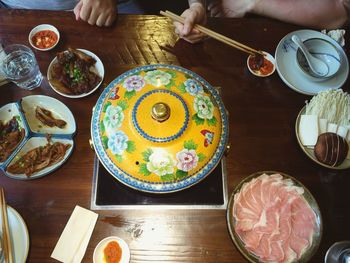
[{"x": 262, "y": 113}]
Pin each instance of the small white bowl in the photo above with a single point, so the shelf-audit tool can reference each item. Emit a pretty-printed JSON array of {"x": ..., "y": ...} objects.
[
  {"x": 43, "y": 27},
  {"x": 98, "y": 256},
  {"x": 325, "y": 51},
  {"x": 258, "y": 73}
]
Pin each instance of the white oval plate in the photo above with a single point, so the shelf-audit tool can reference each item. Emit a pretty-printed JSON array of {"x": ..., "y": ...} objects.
[
  {"x": 59, "y": 110},
  {"x": 292, "y": 75},
  {"x": 36, "y": 142},
  {"x": 310, "y": 151},
  {"x": 98, "y": 252},
  {"x": 19, "y": 235},
  {"x": 98, "y": 67},
  {"x": 6, "y": 114}
]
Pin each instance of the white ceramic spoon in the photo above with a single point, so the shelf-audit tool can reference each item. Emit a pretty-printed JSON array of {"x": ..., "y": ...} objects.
[{"x": 318, "y": 67}]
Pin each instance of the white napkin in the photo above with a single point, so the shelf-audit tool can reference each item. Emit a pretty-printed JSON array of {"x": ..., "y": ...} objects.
[{"x": 71, "y": 246}]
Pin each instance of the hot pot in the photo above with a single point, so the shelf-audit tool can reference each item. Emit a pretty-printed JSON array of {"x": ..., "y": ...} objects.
[{"x": 159, "y": 128}]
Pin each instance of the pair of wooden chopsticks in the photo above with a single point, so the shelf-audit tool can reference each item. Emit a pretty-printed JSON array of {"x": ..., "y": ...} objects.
[
  {"x": 6, "y": 239},
  {"x": 213, "y": 34}
]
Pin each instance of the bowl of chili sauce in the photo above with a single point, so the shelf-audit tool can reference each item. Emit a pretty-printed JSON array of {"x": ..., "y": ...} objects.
[
  {"x": 111, "y": 250},
  {"x": 261, "y": 65},
  {"x": 44, "y": 37}
]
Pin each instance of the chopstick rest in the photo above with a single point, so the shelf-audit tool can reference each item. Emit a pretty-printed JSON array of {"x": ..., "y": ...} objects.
[{"x": 72, "y": 244}]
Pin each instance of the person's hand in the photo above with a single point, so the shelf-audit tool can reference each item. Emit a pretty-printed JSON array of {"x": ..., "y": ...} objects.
[
  {"x": 194, "y": 15},
  {"x": 96, "y": 12},
  {"x": 237, "y": 8},
  {"x": 215, "y": 8}
]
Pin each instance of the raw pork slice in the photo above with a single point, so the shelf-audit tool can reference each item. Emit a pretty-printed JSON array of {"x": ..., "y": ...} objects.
[{"x": 273, "y": 219}]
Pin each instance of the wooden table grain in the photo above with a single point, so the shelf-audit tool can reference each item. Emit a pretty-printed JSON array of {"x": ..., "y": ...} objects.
[{"x": 262, "y": 114}]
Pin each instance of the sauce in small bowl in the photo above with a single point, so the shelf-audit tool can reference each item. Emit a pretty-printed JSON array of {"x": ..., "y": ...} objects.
[
  {"x": 44, "y": 37},
  {"x": 263, "y": 66},
  {"x": 111, "y": 249}
]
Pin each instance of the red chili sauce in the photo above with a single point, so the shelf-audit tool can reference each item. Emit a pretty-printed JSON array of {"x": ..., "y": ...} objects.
[
  {"x": 44, "y": 39},
  {"x": 264, "y": 68},
  {"x": 112, "y": 252}
]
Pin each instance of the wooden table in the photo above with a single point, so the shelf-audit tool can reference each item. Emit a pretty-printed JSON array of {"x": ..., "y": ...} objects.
[{"x": 262, "y": 120}]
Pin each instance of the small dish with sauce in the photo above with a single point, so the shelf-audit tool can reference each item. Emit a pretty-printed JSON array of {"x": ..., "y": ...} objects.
[
  {"x": 262, "y": 68},
  {"x": 44, "y": 37},
  {"x": 111, "y": 249}
]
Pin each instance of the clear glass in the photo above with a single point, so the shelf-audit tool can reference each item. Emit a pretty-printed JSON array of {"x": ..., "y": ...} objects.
[
  {"x": 19, "y": 65},
  {"x": 339, "y": 252}
]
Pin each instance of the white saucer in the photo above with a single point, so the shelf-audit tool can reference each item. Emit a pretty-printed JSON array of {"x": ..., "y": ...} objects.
[
  {"x": 99, "y": 70},
  {"x": 19, "y": 235},
  {"x": 292, "y": 75}
]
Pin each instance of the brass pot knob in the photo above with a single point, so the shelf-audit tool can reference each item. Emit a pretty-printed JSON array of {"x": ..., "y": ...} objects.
[{"x": 160, "y": 112}]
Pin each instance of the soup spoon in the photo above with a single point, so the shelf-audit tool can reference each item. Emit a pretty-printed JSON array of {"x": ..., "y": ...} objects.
[{"x": 319, "y": 67}]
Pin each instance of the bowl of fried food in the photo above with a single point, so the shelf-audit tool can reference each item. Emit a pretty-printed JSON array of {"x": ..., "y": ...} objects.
[{"x": 75, "y": 73}]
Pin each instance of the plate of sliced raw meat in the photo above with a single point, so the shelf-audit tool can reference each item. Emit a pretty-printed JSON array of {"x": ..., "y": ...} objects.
[{"x": 272, "y": 217}]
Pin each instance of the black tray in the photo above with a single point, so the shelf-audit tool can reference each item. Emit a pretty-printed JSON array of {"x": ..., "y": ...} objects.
[{"x": 109, "y": 192}]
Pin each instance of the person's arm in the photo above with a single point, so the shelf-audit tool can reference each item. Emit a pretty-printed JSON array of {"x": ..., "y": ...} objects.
[
  {"x": 328, "y": 14},
  {"x": 195, "y": 14},
  {"x": 96, "y": 12}
]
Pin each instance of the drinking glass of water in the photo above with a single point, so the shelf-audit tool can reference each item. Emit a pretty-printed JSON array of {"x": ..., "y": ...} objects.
[
  {"x": 18, "y": 64},
  {"x": 339, "y": 252}
]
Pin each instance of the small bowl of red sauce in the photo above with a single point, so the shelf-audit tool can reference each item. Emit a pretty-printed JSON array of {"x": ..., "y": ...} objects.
[
  {"x": 111, "y": 249},
  {"x": 261, "y": 66},
  {"x": 44, "y": 37}
]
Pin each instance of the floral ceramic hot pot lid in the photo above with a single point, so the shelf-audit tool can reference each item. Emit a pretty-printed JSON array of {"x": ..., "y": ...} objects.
[{"x": 159, "y": 128}]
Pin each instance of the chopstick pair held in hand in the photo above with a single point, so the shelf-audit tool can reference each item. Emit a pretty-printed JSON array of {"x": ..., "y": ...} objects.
[
  {"x": 215, "y": 35},
  {"x": 6, "y": 238},
  {"x": 195, "y": 14}
]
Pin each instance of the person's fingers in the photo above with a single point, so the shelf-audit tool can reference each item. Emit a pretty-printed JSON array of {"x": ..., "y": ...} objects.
[
  {"x": 85, "y": 12},
  {"x": 94, "y": 15},
  {"x": 195, "y": 38},
  {"x": 110, "y": 19},
  {"x": 101, "y": 20},
  {"x": 178, "y": 27},
  {"x": 188, "y": 23},
  {"x": 77, "y": 10}
]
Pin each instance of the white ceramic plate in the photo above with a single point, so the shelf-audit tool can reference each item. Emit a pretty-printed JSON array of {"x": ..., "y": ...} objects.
[
  {"x": 310, "y": 151},
  {"x": 36, "y": 142},
  {"x": 98, "y": 252},
  {"x": 59, "y": 110},
  {"x": 99, "y": 69},
  {"x": 7, "y": 112},
  {"x": 19, "y": 235},
  {"x": 292, "y": 75}
]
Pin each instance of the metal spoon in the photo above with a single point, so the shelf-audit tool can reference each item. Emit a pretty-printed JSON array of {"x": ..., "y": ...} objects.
[{"x": 319, "y": 67}]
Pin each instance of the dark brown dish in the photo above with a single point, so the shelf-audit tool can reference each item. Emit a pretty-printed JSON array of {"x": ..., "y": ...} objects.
[
  {"x": 11, "y": 134},
  {"x": 39, "y": 158},
  {"x": 74, "y": 73},
  {"x": 46, "y": 118}
]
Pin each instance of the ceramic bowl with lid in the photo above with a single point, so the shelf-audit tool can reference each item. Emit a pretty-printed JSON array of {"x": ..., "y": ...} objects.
[{"x": 159, "y": 128}]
